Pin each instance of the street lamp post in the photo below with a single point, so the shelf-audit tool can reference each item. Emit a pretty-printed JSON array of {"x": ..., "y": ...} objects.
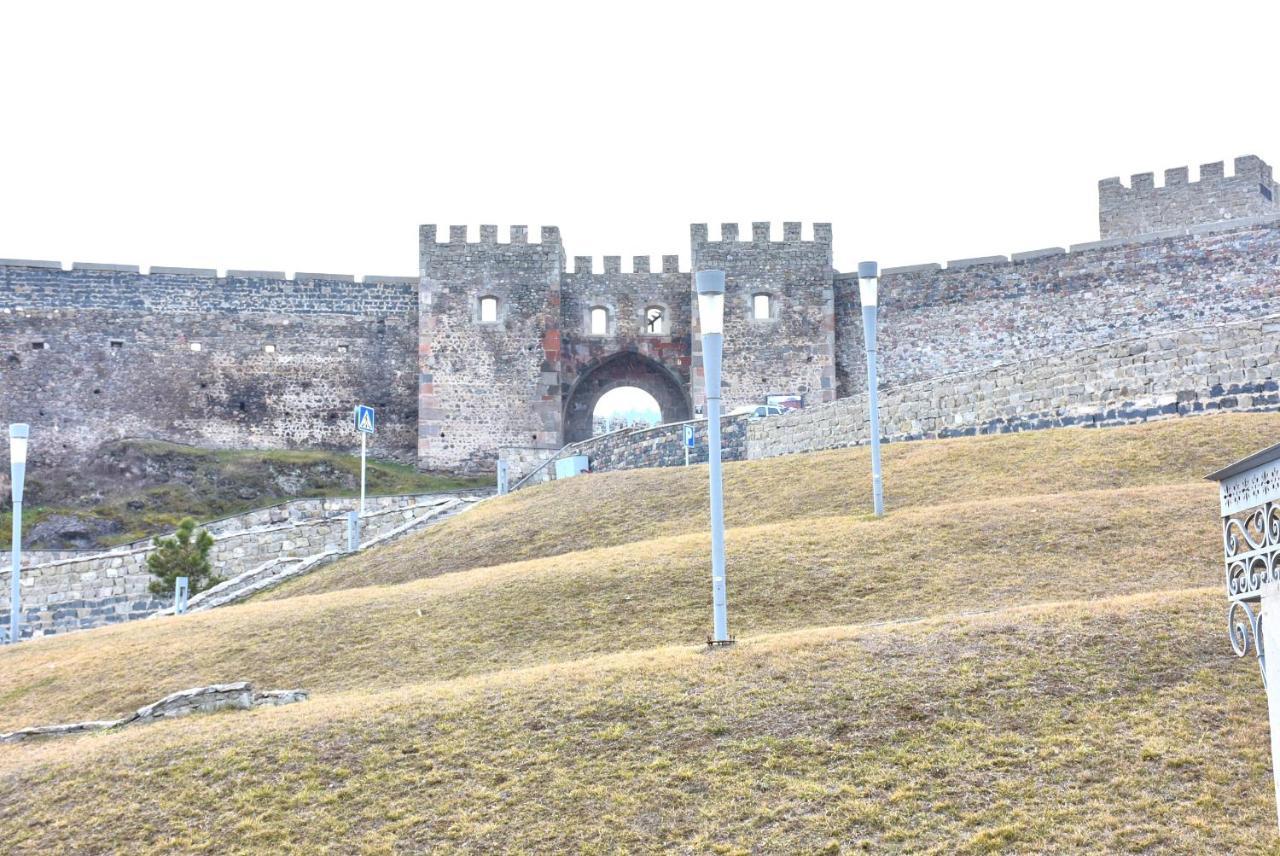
[
  {"x": 18, "y": 434},
  {"x": 868, "y": 285},
  {"x": 711, "y": 318}
]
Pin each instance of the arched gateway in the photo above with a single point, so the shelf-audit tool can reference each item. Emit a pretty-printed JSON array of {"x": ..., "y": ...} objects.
[
  {"x": 624, "y": 369},
  {"x": 516, "y": 346}
]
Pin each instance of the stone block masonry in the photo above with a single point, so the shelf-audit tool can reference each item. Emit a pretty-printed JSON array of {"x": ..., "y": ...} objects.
[
  {"x": 785, "y": 344},
  {"x": 243, "y": 361},
  {"x": 1215, "y": 368},
  {"x": 89, "y": 590},
  {"x": 939, "y": 321},
  {"x": 1228, "y": 367},
  {"x": 633, "y": 448},
  {"x": 1142, "y": 208},
  {"x": 488, "y": 346}
]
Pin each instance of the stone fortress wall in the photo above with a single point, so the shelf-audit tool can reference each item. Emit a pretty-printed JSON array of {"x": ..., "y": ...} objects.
[
  {"x": 84, "y": 590},
  {"x": 253, "y": 359},
  {"x": 1107, "y": 332},
  {"x": 249, "y": 359}
]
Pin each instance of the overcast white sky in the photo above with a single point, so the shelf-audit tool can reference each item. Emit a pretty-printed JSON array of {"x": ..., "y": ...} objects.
[{"x": 317, "y": 136}]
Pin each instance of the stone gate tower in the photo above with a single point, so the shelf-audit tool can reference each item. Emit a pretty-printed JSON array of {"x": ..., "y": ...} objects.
[{"x": 515, "y": 350}]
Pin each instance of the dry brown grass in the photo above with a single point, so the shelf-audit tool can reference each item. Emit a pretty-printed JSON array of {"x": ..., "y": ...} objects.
[
  {"x": 560, "y": 703},
  {"x": 782, "y": 576},
  {"x": 637, "y": 505},
  {"x": 1120, "y": 726}
]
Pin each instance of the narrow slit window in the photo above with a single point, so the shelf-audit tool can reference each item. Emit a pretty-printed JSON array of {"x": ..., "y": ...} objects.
[
  {"x": 488, "y": 310},
  {"x": 269, "y": 349},
  {"x": 38, "y": 346},
  {"x": 655, "y": 321},
  {"x": 762, "y": 307},
  {"x": 117, "y": 343},
  {"x": 195, "y": 346},
  {"x": 599, "y": 321}
]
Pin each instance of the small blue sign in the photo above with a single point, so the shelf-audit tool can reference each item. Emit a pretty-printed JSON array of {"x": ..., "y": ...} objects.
[
  {"x": 365, "y": 419},
  {"x": 688, "y": 436}
]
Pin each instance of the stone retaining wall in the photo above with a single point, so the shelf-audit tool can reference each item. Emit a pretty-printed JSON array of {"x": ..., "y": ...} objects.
[
  {"x": 108, "y": 587},
  {"x": 1205, "y": 369},
  {"x": 659, "y": 446}
]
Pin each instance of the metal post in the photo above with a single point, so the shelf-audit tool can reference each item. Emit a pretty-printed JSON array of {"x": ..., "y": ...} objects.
[
  {"x": 871, "y": 269},
  {"x": 18, "y": 434},
  {"x": 181, "y": 586},
  {"x": 718, "y": 595},
  {"x": 502, "y": 477},
  {"x": 711, "y": 284},
  {"x": 15, "y": 593},
  {"x": 353, "y": 531},
  {"x": 362, "y": 453}
]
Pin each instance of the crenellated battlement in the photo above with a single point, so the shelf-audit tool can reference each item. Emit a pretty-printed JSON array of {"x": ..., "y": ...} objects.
[
  {"x": 761, "y": 233},
  {"x": 488, "y": 234},
  {"x": 1143, "y": 207},
  {"x": 210, "y": 274},
  {"x": 640, "y": 265}
]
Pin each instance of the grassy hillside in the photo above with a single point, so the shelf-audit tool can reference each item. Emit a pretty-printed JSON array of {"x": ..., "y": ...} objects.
[
  {"x": 136, "y": 488},
  {"x": 783, "y": 576},
  {"x": 1119, "y": 726},
  {"x": 632, "y": 506},
  {"x": 1026, "y": 655}
]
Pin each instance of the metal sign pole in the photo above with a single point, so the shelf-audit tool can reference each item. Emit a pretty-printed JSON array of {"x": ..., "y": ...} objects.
[{"x": 365, "y": 424}]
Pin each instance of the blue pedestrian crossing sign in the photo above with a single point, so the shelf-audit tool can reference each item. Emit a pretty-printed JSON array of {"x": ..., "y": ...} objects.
[{"x": 365, "y": 419}]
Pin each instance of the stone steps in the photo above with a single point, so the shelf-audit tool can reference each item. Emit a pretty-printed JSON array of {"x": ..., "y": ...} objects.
[{"x": 278, "y": 570}]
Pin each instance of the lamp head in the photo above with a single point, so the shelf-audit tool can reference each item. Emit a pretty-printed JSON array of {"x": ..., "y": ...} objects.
[
  {"x": 710, "y": 300},
  {"x": 18, "y": 434},
  {"x": 868, "y": 282}
]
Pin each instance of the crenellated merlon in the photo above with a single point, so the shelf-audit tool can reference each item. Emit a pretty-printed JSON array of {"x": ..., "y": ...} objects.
[
  {"x": 641, "y": 265},
  {"x": 1142, "y": 207},
  {"x": 429, "y": 234},
  {"x": 761, "y": 233},
  {"x": 1246, "y": 166}
]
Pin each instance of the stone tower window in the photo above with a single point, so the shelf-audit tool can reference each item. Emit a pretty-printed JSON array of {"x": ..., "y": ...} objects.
[
  {"x": 195, "y": 346},
  {"x": 655, "y": 320},
  {"x": 488, "y": 310},
  {"x": 599, "y": 321},
  {"x": 762, "y": 306}
]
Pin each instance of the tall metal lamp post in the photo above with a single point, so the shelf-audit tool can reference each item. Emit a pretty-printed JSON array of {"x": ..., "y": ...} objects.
[
  {"x": 18, "y": 434},
  {"x": 711, "y": 318},
  {"x": 868, "y": 285}
]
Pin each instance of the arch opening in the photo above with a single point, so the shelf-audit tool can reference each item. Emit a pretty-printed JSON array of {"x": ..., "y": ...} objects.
[
  {"x": 633, "y": 376},
  {"x": 624, "y": 407}
]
